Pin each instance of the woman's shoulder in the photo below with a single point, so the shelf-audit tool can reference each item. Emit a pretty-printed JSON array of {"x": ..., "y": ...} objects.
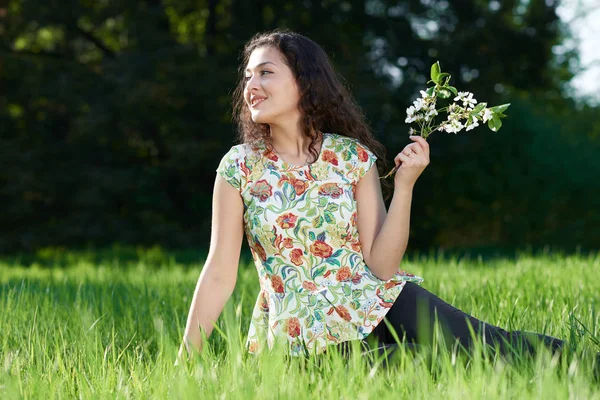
[
  {"x": 340, "y": 143},
  {"x": 242, "y": 150}
]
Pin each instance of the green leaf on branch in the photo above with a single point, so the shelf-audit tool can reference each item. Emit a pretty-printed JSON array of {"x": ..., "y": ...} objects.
[
  {"x": 478, "y": 108},
  {"x": 430, "y": 91},
  {"x": 495, "y": 123},
  {"x": 435, "y": 72},
  {"x": 442, "y": 76},
  {"x": 500, "y": 109},
  {"x": 452, "y": 89},
  {"x": 444, "y": 94}
]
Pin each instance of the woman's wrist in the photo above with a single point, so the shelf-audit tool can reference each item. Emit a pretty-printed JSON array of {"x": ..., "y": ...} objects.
[{"x": 403, "y": 187}]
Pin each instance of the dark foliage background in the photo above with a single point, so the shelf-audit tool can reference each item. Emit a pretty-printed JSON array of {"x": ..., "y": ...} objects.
[{"x": 114, "y": 115}]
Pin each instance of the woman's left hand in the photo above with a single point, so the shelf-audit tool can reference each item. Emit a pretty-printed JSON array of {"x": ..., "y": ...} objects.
[{"x": 413, "y": 160}]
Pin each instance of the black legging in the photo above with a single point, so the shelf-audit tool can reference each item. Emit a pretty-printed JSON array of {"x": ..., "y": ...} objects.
[{"x": 413, "y": 315}]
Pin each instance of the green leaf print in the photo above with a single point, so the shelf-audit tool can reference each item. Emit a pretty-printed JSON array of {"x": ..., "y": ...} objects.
[
  {"x": 346, "y": 289},
  {"x": 312, "y": 300},
  {"x": 323, "y": 201},
  {"x": 346, "y": 155},
  {"x": 329, "y": 217},
  {"x": 312, "y": 212},
  {"x": 318, "y": 272},
  {"x": 333, "y": 261},
  {"x": 332, "y": 207},
  {"x": 298, "y": 223},
  {"x": 311, "y": 236},
  {"x": 356, "y": 293},
  {"x": 317, "y": 221},
  {"x": 303, "y": 312},
  {"x": 319, "y": 315},
  {"x": 310, "y": 321},
  {"x": 286, "y": 301}
]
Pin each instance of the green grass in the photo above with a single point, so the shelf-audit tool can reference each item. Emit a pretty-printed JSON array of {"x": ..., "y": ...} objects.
[{"x": 100, "y": 327}]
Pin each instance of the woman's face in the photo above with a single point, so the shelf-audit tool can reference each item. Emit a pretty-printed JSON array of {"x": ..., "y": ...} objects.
[{"x": 271, "y": 92}]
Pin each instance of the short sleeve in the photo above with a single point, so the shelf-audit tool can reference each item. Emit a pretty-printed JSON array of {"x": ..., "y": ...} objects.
[
  {"x": 366, "y": 159},
  {"x": 230, "y": 166}
]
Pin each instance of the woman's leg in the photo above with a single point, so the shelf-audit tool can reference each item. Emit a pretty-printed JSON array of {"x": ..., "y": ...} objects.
[{"x": 413, "y": 315}]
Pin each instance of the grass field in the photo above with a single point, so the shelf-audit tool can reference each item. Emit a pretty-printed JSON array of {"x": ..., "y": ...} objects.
[{"x": 79, "y": 325}]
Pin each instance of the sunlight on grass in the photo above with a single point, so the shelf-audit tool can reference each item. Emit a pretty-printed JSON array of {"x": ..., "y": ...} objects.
[{"x": 102, "y": 329}]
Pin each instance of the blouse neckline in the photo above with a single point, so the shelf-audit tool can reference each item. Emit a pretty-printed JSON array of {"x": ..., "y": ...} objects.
[{"x": 286, "y": 165}]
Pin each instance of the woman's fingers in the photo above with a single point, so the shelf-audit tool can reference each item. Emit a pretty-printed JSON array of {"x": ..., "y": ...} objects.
[
  {"x": 400, "y": 158},
  {"x": 422, "y": 143}
]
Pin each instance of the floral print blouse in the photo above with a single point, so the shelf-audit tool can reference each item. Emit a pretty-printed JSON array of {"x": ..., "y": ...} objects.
[{"x": 301, "y": 226}]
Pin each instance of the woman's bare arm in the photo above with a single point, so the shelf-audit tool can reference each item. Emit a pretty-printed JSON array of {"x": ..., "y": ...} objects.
[{"x": 217, "y": 280}]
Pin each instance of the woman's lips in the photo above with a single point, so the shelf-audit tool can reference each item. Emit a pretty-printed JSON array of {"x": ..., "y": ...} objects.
[{"x": 257, "y": 102}]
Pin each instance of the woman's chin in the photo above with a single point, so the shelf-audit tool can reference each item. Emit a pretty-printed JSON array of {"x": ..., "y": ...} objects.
[{"x": 260, "y": 119}]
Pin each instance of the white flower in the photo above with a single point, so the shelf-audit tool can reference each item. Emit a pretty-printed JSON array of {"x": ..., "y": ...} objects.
[
  {"x": 430, "y": 114},
  {"x": 487, "y": 115},
  {"x": 424, "y": 94},
  {"x": 467, "y": 99},
  {"x": 462, "y": 95},
  {"x": 419, "y": 104},
  {"x": 475, "y": 124},
  {"x": 412, "y": 132},
  {"x": 454, "y": 126}
]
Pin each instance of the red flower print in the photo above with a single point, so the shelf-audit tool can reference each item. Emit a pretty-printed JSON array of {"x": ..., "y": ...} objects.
[
  {"x": 264, "y": 304},
  {"x": 362, "y": 154},
  {"x": 296, "y": 256},
  {"x": 244, "y": 168},
  {"x": 309, "y": 286},
  {"x": 260, "y": 250},
  {"x": 277, "y": 283},
  {"x": 383, "y": 302},
  {"x": 330, "y": 157},
  {"x": 321, "y": 249},
  {"x": 270, "y": 155},
  {"x": 354, "y": 218},
  {"x": 293, "y": 327},
  {"x": 404, "y": 273},
  {"x": 330, "y": 189},
  {"x": 343, "y": 274},
  {"x": 287, "y": 243},
  {"x": 262, "y": 190},
  {"x": 253, "y": 346},
  {"x": 287, "y": 220},
  {"x": 356, "y": 246},
  {"x": 356, "y": 278},
  {"x": 343, "y": 312},
  {"x": 300, "y": 186},
  {"x": 391, "y": 284}
]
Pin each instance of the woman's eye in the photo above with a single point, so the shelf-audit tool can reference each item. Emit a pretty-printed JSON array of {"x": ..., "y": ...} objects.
[{"x": 247, "y": 78}]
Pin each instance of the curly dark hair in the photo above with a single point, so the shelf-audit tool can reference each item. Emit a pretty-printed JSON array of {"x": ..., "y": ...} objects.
[{"x": 326, "y": 104}]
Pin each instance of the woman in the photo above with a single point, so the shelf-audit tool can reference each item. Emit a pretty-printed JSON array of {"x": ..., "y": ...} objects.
[{"x": 302, "y": 188}]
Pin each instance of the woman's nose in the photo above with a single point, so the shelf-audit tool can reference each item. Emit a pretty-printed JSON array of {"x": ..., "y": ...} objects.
[{"x": 252, "y": 83}]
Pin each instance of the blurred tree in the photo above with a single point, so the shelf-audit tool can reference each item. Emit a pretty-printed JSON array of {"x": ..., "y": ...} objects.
[{"x": 113, "y": 115}]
